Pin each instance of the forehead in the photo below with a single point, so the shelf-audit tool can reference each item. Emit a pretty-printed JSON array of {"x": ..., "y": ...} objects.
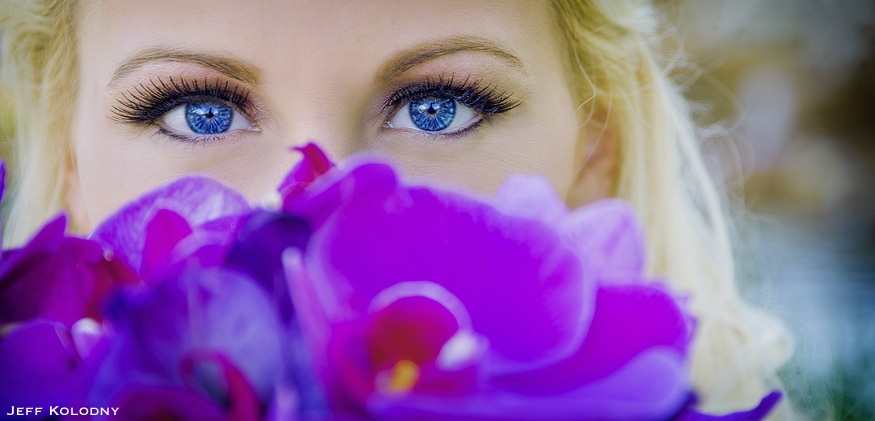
[{"x": 300, "y": 38}]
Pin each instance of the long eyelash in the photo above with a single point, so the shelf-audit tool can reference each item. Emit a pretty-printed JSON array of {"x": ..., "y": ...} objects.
[
  {"x": 146, "y": 103},
  {"x": 482, "y": 98}
]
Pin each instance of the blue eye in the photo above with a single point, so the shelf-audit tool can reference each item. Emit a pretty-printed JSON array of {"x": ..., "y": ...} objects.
[
  {"x": 431, "y": 113},
  {"x": 434, "y": 113},
  {"x": 204, "y": 117},
  {"x": 208, "y": 117}
]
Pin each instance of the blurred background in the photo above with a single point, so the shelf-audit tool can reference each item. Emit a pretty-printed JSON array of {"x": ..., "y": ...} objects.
[{"x": 787, "y": 88}]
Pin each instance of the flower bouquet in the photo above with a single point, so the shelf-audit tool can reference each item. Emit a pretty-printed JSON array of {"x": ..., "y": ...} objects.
[{"x": 347, "y": 294}]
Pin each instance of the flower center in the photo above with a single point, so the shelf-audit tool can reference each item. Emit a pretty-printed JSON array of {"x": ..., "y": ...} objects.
[{"x": 401, "y": 377}]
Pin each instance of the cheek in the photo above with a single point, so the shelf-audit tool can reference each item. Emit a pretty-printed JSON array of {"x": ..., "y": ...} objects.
[{"x": 531, "y": 142}]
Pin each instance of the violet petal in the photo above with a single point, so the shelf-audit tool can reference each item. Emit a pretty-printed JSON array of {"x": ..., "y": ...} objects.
[
  {"x": 57, "y": 278},
  {"x": 313, "y": 164},
  {"x": 200, "y": 308},
  {"x": 760, "y": 412},
  {"x": 628, "y": 320},
  {"x": 608, "y": 237},
  {"x": 197, "y": 199},
  {"x": 37, "y": 368}
]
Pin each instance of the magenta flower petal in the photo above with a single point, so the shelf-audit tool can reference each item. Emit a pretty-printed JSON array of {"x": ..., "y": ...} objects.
[
  {"x": 155, "y": 402},
  {"x": 241, "y": 400},
  {"x": 608, "y": 237},
  {"x": 628, "y": 320},
  {"x": 163, "y": 232},
  {"x": 760, "y": 412},
  {"x": 532, "y": 197},
  {"x": 38, "y": 366},
  {"x": 197, "y": 199},
  {"x": 58, "y": 278},
  {"x": 462, "y": 245},
  {"x": 605, "y": 234},
  {"x": 324, "y": 196},
  {"x": 313, "y": 165},
  {"x": 613, "y": 398},
  {"x": 199, "y": 308},
  {"x": 258, "y": 252},
  {"x": 16, "y": 261}
]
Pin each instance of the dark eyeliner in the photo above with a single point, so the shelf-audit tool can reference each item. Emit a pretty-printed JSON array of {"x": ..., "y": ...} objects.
[
  {"x": 483, "y": 98},
  {"x": 147, "y": 103}
]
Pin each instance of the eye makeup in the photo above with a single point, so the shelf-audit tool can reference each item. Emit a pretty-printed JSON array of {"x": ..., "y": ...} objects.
[
  {"x": 481, "y": 97},
  {"x": 149, "y": 104},
  {"x": 429, "y": 98},
  {"x": 172, "y": 103}
]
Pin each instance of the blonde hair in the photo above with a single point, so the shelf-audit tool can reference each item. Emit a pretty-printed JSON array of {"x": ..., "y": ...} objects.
[
  {"x": 39, "y": 67},
  {"x": 616, "y": 75}
]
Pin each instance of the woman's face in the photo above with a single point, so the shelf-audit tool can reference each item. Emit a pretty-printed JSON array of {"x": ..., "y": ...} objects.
[{"x": 463, "y": 91}]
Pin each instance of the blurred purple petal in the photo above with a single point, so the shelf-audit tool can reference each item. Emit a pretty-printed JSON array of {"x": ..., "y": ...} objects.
[
  {"x": 58, "y": 278},
  {"x": 608, "y": 237},
  {"x": 628, "y": 320},
  {"x": 324, "y": 196},
  {"x": 199, "y": 308},
  {"x": 314, "y": 164},
  {"x": 462, "y": 245},
  {"x": 163, "y": 232},
  {"x": 646, "y": 388},
  {"x": 237, "y": 392},
  {"x": 760, "y": 412},
  {"x": 532, "y": 197},
  {"x": 39, "y": 367},
  {"x": 197, "y": 199},
  {"x": 153, "y": 402},
  {"x": 258, "y": 252}
]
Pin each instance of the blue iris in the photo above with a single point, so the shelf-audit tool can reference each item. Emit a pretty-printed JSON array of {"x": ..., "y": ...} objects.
[
  {"x": 432, "y": 113},
  {"x": 208, "y": 117}
]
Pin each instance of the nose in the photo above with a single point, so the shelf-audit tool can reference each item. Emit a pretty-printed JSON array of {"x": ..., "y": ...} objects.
[{"x": 323, "y": 117}]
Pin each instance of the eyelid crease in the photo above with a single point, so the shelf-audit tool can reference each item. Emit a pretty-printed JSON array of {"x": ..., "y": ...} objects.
[
  {"x": 228, "y": 66},
  {"x": 409, "y": 58}
]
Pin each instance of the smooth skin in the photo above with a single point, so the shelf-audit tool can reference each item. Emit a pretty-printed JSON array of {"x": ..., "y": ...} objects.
[{"x": 322, "y": 71}]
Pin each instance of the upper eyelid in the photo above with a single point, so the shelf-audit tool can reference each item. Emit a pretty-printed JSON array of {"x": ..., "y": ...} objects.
[
  {"x": 145, "y": 104},
  {"x": 470, "y": 93}
]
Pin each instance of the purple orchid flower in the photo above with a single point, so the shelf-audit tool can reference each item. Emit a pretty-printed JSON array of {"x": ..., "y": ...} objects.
[
  {"x": 313, "y": 165},
  {"x": 196, "y": 218},
  {"x": 209, "y": 332},
  {"x": 408, "y": 302},
  {"x": 52, "y": 291},
  {"x": 183, "y": 218},
  {"x": 428, "y": 304},
  {"x": 214, "y": 286}
]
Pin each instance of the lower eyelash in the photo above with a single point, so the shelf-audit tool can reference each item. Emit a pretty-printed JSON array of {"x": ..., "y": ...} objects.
[
  {"x": 145, "y": 104},
  {"x": 485, "y": 99}
]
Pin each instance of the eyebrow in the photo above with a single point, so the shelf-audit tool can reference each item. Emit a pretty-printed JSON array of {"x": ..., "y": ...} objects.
[
  {"x": 228, "y": 66},
  {"x": 417, "y": 55}
]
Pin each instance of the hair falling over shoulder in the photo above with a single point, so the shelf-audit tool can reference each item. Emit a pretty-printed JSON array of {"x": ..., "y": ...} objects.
[{"x": 622, "y": 74}]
